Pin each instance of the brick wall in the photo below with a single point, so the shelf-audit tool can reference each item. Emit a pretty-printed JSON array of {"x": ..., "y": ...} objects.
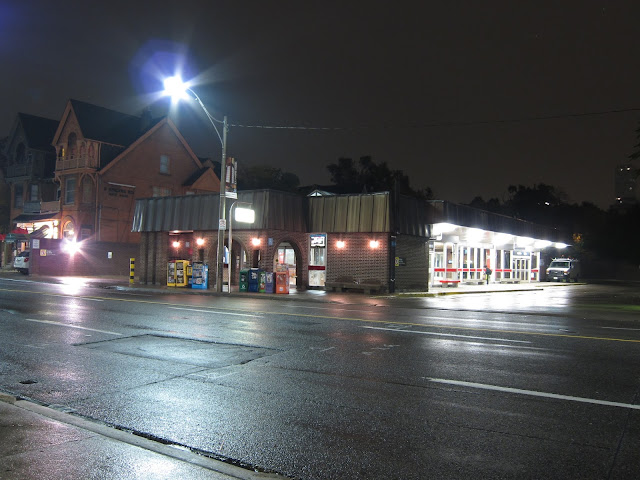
[
  {"x": 414, "y": 275},
  {"x": 50, "y": 259},
  {"x": 357, "y": 260},
  {"x": 156, "y": 249}
]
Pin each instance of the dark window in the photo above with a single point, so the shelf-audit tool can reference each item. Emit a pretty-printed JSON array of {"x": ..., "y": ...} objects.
[
  {"x": 18, "y": 196},
  {"x": 164, "y": 164},
  {"x": 71, "y": 144},
  {"x": 70, "y": 191}
]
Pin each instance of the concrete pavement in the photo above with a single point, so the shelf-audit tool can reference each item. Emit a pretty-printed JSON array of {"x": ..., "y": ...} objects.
[{"x": 39, "y": 442}]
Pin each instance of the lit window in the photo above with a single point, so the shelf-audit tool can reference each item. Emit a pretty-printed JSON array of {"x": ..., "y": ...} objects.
[
  {"x": 164, "y": 164},
  {"x": 68, "y": 231},
  {"x": 33, "y": 195}
]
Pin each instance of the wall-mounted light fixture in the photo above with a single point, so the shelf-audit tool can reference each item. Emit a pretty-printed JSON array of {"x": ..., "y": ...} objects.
[
  {"x": 255, "y": 242},
  {"x": 176, "y": 244},
  {"x": 374, "y": 243},
  {"x": 200, "y": 242},
  {"x": 341, "y": 244}
]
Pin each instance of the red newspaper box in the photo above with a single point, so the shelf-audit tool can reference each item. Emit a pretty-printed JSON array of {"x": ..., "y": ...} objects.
[{"x": 282, "y": 282}]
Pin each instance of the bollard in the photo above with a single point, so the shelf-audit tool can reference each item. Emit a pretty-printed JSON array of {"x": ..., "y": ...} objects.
[{"x": 132, "y": 264}]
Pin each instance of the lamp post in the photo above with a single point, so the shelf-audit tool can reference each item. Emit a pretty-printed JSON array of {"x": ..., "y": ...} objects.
[
  {"x": 177, "y": 89},
  {"x": 248, "y": 217}
]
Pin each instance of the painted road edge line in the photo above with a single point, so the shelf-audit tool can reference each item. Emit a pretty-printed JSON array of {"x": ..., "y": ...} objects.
[
  {"x": 60, "y": 324},
  {"x": 532, "y": 393},
  {"x": 437, "y": 334}
]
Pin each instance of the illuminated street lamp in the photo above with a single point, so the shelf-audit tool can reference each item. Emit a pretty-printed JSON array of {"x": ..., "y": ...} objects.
[{"x": 178, "y": 90}]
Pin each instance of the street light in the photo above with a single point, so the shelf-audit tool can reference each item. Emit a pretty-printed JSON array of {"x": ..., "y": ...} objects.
[
  {"x": 178, "y": 90},
  {"x": 244, "y": 214}
]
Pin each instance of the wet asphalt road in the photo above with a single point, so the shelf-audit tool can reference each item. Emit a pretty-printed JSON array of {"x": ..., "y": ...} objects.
[{"x": 537, "y": 384}]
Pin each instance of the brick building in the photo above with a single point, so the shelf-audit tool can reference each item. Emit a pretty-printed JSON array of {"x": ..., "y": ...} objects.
[
  {"x": 388, "y": 241},
  {"x": 104, "y": 161}
]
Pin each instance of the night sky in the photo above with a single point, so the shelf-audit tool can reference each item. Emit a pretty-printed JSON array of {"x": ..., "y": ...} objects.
[{"x": 465, "y": 97}]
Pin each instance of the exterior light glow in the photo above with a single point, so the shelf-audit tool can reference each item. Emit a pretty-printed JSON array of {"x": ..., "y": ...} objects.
[
  {"x": 502, "y": 238},
  {"x": 440, "y": 228},
  {"x": 474, "y": 235},
  {"x": 200, "y": 242},
  {"x": 71, "y": 247},
  {"x": 176, "y": 244},
  {"x": 561, "y": 245},
  {"x": 175, "y": 88},
  {"x": 255, "y": 242},
  {"x": 542, "y": 244},
  {"x": 524, "y": 241},
  {"x": 340, "y": 244},
  {"x": 374, "y": 244}
]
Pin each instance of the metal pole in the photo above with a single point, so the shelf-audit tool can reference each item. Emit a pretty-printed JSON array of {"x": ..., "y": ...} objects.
[
  {"x": 222, "y": 209},
  {"x": 230, "y": 243}
]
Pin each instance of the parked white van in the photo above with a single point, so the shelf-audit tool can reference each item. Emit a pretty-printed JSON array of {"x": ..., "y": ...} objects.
[{"x": 563, "y": 270}]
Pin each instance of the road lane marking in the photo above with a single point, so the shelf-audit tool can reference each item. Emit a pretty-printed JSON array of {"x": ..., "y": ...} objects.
[
  {"x": 214, "y": 311},
  {"x": 60, "y": 324},
  {"x": 532, "y": 393},
  {"x": 349, "y": 319},
  {"x": 621, "y": 328},
  {"x": 447, "y": 335}
]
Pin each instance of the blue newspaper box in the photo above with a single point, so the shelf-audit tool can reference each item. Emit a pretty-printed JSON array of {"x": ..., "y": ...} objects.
[
  {"x": 254, "y": 279},
  {"x": 269, "y": 282}
]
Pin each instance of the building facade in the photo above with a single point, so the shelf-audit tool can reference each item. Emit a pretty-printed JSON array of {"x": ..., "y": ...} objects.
[
  {"x": 103, "y": 162},
  {"x": 392, "y": 242},
  {"x": 34, "y": 205}
]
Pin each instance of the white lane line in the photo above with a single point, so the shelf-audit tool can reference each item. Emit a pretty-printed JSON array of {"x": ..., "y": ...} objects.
[
  {"x": 532, "y": 393},
  {"x": 214, "y": 311},
  {"x": 436, "y": 334},
  {"x": 620, "y": 328},
  {"x": 60, "y": 324}
]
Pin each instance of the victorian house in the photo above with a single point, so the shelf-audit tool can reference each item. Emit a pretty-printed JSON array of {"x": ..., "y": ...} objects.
[
  {"x": 34, "y": 206},
  {"x": 104, "y": 161},
  {"x": 107, "y": 159}
]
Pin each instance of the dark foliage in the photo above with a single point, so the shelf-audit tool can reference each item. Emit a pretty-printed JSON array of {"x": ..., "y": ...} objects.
[{"x": 367, "y": 176}]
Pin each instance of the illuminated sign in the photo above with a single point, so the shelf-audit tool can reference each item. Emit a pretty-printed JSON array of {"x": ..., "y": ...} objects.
[{"x": 318, "y": 240}]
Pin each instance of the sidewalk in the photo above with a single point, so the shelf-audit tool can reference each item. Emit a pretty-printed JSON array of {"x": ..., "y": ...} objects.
[
  {"x": 122, "y": 283},
  {"x": 39, "y": 442}
]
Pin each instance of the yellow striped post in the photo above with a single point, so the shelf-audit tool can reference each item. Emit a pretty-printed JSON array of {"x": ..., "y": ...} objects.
[{"x": 132, "y": 264}]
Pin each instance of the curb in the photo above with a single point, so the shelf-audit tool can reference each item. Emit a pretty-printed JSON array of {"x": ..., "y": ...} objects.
[{"x": 5, "y": 397}]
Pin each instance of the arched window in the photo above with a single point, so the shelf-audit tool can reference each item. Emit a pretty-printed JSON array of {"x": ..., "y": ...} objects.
[
  {"x": 68, "y": 231},
  {"x": 71, "y": 144}
]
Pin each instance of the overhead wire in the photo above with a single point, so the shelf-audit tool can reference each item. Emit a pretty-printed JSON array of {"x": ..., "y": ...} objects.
[{"x": 438, "y": 124}]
